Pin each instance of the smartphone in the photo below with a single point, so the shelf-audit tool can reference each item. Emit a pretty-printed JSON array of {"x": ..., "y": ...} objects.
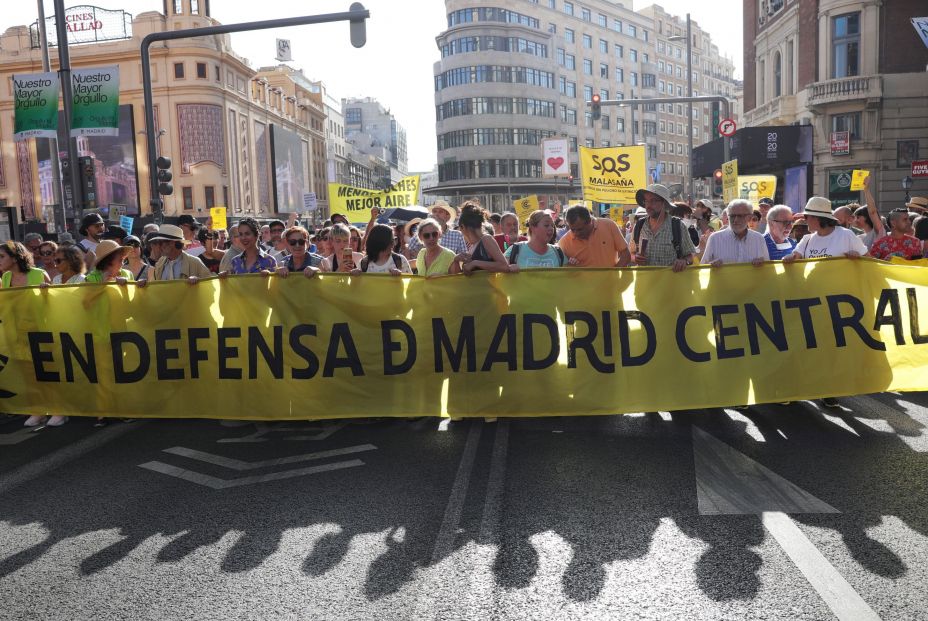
[{"x": 347, "y": 255}]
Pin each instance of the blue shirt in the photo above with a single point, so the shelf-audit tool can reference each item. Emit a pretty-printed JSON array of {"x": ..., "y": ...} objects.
[
  {"x": 264, "y": 262},
  {"x": 778, "y": 251}
]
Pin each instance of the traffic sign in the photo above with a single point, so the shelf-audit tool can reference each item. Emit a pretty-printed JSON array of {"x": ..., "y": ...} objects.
[
  {"x": 920, "y": 169},
  {"x": 727, "y": 127}
]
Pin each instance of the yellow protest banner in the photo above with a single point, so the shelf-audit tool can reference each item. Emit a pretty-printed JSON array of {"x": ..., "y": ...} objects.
[
  {"x": 730, "y": 181},
  {"x": 357, "y": 203},
  {"x": 540, "y": 342},
  {"x": 617, "y": 215},
  {"x": 612, "y": 174},
  {"x": 756, "y": 187},
  {"x": 525, "y": 206},
  {"x": 857, "y": 179},
  {"x": 218, "y": 216}
]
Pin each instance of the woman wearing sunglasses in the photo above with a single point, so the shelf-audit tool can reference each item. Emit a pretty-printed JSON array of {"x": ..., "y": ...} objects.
[
  {"x": 300, "y": 259},
  {"x": 433, "y": 260},
  {"x": 71, "y": 267},
  {"x": 45, "y": 258},
  {"x": 134, "y": 261}
]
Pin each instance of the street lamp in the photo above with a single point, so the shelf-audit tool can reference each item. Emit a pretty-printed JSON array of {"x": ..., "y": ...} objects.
[
  {"x": 689, "y": 105},
  {"x": 907, "y": 185}
]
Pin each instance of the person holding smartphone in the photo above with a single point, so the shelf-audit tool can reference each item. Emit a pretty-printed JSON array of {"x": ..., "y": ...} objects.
[{"x": 343, "y": 258}]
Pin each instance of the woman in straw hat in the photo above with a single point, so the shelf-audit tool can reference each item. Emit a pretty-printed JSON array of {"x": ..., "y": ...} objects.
[
  {"x": 826, "y": 238},
  {"x": 108, "y": 264}
]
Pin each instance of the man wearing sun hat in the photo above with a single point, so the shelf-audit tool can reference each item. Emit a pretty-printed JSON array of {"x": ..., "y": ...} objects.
[
  {"x": 451, "y": 239},
  {"x": 827, "y": 239},
  {"x": 661, "y": 239},
  {"x": 175, "y": 264}
]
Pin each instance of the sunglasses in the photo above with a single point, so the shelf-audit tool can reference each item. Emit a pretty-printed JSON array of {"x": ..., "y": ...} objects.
[
  {"x": 133, "y": 245},
  {"x": 47, "y": 254},
  {"x": 433, "y": 234},
  {"x": 296, "y": 242}
]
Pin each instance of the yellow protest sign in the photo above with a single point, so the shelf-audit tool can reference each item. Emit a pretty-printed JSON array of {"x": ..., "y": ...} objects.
[
  {"x": 612, "y": 174},
  {"x": 857, "y": 179},
  {"x": 218, "y": 215},
  {"x": 756, "y": 187},
  {"x": 730, "y": 181},
  {"x": 357, "y": 203},
  {"x": 617, "y": 215},
  {"x": 552, "y": 342},
  {"x": 525, "y": 206}
]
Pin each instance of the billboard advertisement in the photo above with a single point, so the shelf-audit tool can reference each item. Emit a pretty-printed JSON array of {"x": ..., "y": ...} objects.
[
  {"x": 114, "y": 162},
  {"x": 288, "y": 163}
]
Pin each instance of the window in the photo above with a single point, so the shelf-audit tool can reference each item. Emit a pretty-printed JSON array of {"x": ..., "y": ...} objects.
[
  {"x": 587, "y": 66},
  {"x": 201, "y": 71},
  {"x": 569, "y": 35},
  {"x": 178, "y": 71},
  {"x": 663, "y": 147},
  {"x": 632, "y": 31},
  {"x": 633, "y": 55},
  {"x": 603, "y": 93},
  {"x": 188, "y": 197},
  {"x": 620, "y": 124},
  {"x": 195, "y": 7},
  {"x": 619, "y": 75},
  {"x": 789, "y": 67},
  {"x": 603, "y": 70},
  {"x": 210, "y": 196},
  {"x": 552, "y": 28},
  {"x": 587, "y": 119},
  {"x": 663, "y": 130},
  {"x": 178, "y": 7},
  {"x": 217, "y": 75},
  {"x": 569, "y": 8},
  {"x": 587, "y": 42},
  {"x": 559, "y": 55},
  {"x": 633, "y": 78},
  {"x": 586, "y": 15},
  {"x": 552, "y": 4},
  {"x": 603, "y": 46},
  {"x": 587, "y": 93},
  {"x": 619, "y": 51},
  {"x": 847, "y": 123},
  {"x": 353, "y": 116},
  {"x": 602, "y": 19},
  {"x": 617, "y": 25},
  {"x": 571, "y": 62},
  {"x": 777, "y": 74},
  {"x": 845, "y": 45}
]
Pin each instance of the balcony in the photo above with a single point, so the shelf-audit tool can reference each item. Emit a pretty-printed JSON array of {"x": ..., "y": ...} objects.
[
  {"x": 779, "y": 111},
  {"x": 845, "y": 89}
]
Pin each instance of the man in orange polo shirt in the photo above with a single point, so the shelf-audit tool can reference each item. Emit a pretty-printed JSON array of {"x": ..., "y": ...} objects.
[{"x": 593, "y": 242}]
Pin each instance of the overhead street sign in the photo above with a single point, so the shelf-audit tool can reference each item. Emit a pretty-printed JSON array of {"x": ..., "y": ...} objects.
[{"x": 727, "y": 127}]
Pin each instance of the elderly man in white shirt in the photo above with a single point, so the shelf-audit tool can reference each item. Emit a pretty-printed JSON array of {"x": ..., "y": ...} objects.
[{"x": 737, "y": 243}]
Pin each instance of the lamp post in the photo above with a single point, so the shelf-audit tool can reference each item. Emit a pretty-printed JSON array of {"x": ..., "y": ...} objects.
[
  {"x": 689, "y": 106},
  {"x": 907, "y": 185}
]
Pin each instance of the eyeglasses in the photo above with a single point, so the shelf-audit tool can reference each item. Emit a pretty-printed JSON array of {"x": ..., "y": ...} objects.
[
  {"x": 47, "y": 254},
  {"x": 296, "y": 242},
  {"x": 433, "y": 234},
  {"x": 784, "y": 222}
]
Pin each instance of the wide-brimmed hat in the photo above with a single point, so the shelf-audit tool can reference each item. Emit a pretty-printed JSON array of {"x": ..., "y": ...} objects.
[
  {"x": 919, "y": 203},
  {"x": 819, "y": 207},
  {"x": 105, "y": 249},
  {"x": 640, "y": 212},
  {"x": 451, "y": 211},
  {"x": 408, "y": 228},
  {"x": 89, "y": 220},
  {"x": 168, "y": 232},
  {"x": 705, "y": 202},
  {"x": 656, "y": 189}
]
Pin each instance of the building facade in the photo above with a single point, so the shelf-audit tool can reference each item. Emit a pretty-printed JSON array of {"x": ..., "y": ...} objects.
[
  {"x": 373, "y": 130},
  {"x": 213, "y": 116},
  {"x": 515, "y": 73},
  {"x": 855, "y": 66}
]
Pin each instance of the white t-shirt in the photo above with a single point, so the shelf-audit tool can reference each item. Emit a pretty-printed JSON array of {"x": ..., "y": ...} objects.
[
  {"x": 386, "y": 266},
  {"x": 836, "y": 244},
  {"x": 73, "y": 280}
]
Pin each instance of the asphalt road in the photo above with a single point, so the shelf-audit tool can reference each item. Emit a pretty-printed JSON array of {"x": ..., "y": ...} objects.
[{"x": 774, "y": 512}]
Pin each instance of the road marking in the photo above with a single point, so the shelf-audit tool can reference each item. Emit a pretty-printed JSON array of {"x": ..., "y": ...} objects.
[
  {"x": 496, "y": 484},
  {"x": 18, "y": 437},
  {"x": 219, "y": 483},
  {"x": 64, "y": 455},
  {"x": 444, "y": 542},
  {"x": 729, "y": 482},
  {"x": 263, "y": 429},
  {"x": 242, "y": 466},
  {"x": 831, "y": 586}
]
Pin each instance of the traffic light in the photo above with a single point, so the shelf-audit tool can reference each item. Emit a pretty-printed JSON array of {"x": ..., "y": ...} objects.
[
  {"x": 715, "y": 119},
  {"x": 570, "y": 181},
  {"x": 164, "y": 176},
  {"x": 595, "y": 107},
  {"x": 717, "y": 182},
  {"x": 86, "y": 174}
]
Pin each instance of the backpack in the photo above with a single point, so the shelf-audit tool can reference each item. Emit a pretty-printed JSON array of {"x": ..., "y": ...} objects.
[
  {"x": 397, "y": 261},
  {"x": 676, "y": 232},
  {"x": 514, "y": 254}
]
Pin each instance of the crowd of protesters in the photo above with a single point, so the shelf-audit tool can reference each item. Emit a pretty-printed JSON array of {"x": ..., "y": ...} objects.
[{"x": 451, "y": 241}]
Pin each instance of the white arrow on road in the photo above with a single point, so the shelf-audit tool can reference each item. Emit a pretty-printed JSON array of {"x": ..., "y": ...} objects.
[{"x": 238, "y": 465}]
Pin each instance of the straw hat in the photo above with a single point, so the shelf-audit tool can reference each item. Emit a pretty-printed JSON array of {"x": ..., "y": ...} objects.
[
  {"x": 408, "y": 228},
  {"x": 105, "y": 249},
  {"x": 819, "y": 207},
  {"x": 919, "y": 203},
  {"x": 451, "y": 211},
  {"x": 168, "y": 232}
]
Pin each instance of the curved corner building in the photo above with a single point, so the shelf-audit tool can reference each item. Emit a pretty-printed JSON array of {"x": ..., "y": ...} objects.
[{"x": 513, "y": 73}]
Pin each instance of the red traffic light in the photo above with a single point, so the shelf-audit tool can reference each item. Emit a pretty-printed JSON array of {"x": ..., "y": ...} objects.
[
  {"x": 596, "y": 99},
  {"x": 717, "y": 174}
]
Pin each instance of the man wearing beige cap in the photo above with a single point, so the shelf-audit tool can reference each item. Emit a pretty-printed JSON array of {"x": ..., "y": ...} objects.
[
  {"x": 826, "y": 238},
  {"x": 175, "y": 264}
]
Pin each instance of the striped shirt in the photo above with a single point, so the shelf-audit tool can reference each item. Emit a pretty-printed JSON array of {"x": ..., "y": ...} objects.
[{"x": 728, "y": 248}]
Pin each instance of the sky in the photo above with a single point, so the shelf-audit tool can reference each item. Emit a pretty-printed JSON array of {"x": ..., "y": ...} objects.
[{"x": 396, "y": 65}]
